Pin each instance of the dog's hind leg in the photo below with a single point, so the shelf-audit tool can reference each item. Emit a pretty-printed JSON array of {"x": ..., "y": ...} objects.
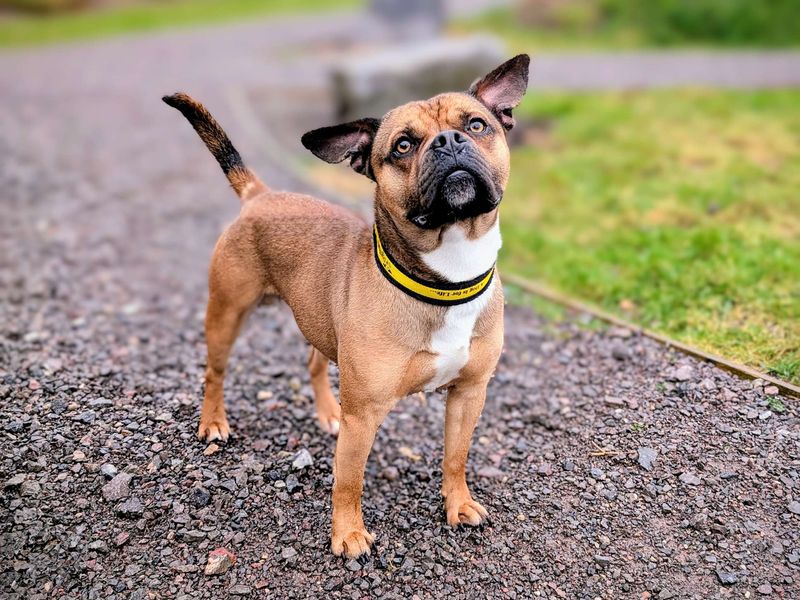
[
  {"x": 232, "y": 295},
  {"x": 328, "y": 411}
]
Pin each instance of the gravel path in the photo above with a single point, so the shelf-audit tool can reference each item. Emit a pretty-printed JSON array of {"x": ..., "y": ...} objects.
[{"x": 612, "y": 467}]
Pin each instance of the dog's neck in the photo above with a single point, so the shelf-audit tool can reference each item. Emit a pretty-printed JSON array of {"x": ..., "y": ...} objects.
[{"x": 459, "y": 257}]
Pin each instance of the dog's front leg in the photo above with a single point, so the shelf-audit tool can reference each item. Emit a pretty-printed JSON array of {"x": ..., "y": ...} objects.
[
  {"x": 464, "y": 406},
  {"x": 361, "y": 417}
]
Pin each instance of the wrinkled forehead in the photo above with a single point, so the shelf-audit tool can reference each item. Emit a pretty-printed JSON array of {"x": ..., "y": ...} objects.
[{"x": 426, "y": 117}]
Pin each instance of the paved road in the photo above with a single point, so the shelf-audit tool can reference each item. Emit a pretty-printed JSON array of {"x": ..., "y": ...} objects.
[
  {"x": 638, "y": 70},
  {"x": 612, "y": 467}
]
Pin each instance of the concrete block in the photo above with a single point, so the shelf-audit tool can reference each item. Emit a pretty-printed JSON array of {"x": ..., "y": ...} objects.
[{"x": 371, "y": 84}]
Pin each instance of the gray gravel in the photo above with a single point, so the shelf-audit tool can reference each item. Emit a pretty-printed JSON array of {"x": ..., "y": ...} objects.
[{"x": 110, "y": 212}]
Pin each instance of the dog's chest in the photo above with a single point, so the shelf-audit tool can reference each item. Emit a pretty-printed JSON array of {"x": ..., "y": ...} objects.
[
  {"x": 460, "y": 259},
  {"x": 450, "y": 343}
]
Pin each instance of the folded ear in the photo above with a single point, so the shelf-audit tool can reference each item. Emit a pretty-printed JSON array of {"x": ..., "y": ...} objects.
[
  {"x": 502, "y": 89},
  {"x": 349, "y": 140}
]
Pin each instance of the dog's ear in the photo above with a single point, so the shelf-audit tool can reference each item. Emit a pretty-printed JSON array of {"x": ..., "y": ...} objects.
[
  {"x": 349, "y": 140},
  {"x": 502, "y": 89}
]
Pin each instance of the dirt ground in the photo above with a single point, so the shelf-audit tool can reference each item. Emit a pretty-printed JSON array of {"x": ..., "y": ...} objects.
[{"x": 612, "y": 467}]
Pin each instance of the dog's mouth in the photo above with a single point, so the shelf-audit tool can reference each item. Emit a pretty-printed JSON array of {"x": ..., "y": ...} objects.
[
  {"x": 461, "y": 194},
  {"x": 458, "y": 189},
  {"x": 465, "y": 190},
  {"x": 453, "y": 187}
]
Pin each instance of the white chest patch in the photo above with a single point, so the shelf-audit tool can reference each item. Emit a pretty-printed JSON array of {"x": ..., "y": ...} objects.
[
  {"x": 451, "y": 341},
  {"x": 460, "y": 259}
]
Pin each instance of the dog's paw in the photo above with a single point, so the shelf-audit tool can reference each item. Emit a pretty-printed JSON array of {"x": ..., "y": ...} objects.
[
  {"x": 464, "y": 511},
  {"x": 217, "y": 429},
  {"x": 330, "y": 418},
  {"x": 353, "y": 543}
]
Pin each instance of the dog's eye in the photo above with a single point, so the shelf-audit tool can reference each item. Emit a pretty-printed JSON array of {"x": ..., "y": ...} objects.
[
  {"x": 476, "y": 125},
  {"x": 403, "y": 146}
]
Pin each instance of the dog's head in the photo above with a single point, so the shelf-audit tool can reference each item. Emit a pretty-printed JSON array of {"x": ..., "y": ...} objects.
[{"x": 435, "y": 161}]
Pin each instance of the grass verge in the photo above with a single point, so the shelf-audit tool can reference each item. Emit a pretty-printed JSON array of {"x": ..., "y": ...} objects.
[
  {"x": 625, "y": 24},
  {"x": 521, "y": 38},
  {"x": 675, "y": 209},
  {"x": 89, "y": 24}
]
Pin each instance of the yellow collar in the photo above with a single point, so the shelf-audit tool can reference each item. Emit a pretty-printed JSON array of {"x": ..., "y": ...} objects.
[{"x": 440, "y": 294}]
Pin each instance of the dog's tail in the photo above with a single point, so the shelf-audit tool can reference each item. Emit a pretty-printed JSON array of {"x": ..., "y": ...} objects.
[{"x": 243, "y": 181}]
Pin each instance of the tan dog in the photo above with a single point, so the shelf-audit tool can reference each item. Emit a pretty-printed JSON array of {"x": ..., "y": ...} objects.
[{"x": 413, "y": 304}]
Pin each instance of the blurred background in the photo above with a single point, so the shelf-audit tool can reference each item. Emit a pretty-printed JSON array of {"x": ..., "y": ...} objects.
[{"x": 656, "y": 166}]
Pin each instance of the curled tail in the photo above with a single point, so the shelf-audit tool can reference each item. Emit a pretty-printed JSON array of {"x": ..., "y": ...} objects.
[{"x": 243, "y": 181}]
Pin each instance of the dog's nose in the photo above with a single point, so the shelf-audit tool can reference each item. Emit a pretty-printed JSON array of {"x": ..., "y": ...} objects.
[{"x": 449, "y": 141}]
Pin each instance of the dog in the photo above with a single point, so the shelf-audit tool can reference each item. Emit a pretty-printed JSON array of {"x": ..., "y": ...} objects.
[{"x": 411, "y": 303}]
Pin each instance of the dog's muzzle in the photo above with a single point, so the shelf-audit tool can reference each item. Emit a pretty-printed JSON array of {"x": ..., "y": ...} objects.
[{"x": 455, "y": 182}]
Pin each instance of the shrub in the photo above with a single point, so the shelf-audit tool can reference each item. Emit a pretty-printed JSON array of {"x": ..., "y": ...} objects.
[
  {"x": 672, "y": 22},
  {"x": 734, "y": 22},
  {"x": 43, "y": 6}
]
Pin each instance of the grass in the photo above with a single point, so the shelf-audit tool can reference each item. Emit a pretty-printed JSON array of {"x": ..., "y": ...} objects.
[
  {"x": 775, "y": 404},
  {"x": 625, "y": 24},
  {"x": 129, "y": 18},
  {"x": 786, "y": 368},
  {"x": 676, "y": 209},
  {"x": 520, "y": 38}
]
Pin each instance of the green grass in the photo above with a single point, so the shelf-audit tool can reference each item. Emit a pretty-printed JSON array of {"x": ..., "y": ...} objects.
[
  {"x": 786, "y": 368},
  {"x": 775, "y": 404},
  {"x": 623, "y": 24},
  {"x": 520, "y": 38},
  {"x": 723, "y": 22},
  {"x": 679, "y": 210},
  {"x": 88, "y": 24}
]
